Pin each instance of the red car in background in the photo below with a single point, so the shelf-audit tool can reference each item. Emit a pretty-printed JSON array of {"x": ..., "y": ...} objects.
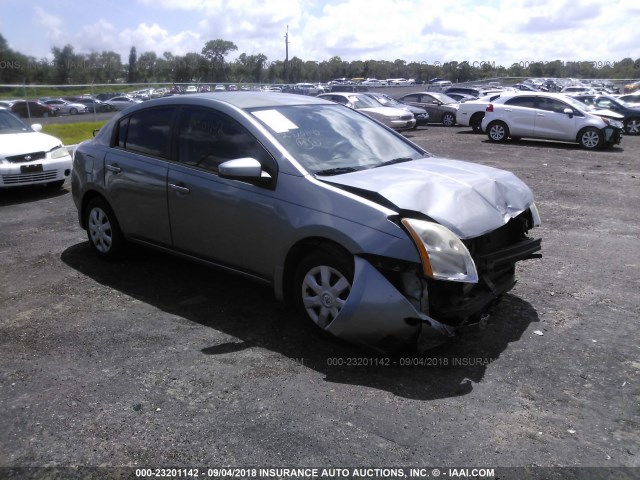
[{"x": 35, "y": 109}]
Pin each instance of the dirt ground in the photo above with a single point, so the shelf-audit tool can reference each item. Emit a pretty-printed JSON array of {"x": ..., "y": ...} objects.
[{"x": 154, "y": 361}]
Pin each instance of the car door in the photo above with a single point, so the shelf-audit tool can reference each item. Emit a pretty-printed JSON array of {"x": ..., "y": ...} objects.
[
  {"x": 230, "y": 222},
  {"x": 136, "y": 174},
  {"x": 427, "y": 102},
  {"x": 552, "y": 122},
  {"x": 520, "y": 114}
]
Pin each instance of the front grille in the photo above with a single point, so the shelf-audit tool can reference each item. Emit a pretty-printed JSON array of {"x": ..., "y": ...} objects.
[
  {"x": 26, "y": 157},
  {"x": 19, "y": 178}
]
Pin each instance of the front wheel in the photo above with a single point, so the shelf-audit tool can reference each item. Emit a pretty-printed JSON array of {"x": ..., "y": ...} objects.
[
  {"x": 73, "y": 111},
  {"x": 633, "y": 126},
  {"x": 448, "y": 119},
  {"x": 591, "y": 138},
  {"x": 498, "y": 132},
  {"x": 322, "y": 284},
  {"x": 103, "y": 229}
]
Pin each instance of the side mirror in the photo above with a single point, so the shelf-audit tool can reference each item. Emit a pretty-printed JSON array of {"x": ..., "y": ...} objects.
[
  {"x": 242, "y": 169},
  {"x": 569, "y": 112},
  {"x": 36, "y": 127}
]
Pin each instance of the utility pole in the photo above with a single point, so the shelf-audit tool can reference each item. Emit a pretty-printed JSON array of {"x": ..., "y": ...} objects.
[{"x": 286, "y": 58}]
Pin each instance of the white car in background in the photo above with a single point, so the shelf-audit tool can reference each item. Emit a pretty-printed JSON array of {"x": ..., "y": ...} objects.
[
  {"x": 120, "y": 103},
  {"x": 471, "y": 112},
  {"x": 392, "y": 117},
  {"x": 28, "y": 157},
  {"x": 551, "y": 116}
]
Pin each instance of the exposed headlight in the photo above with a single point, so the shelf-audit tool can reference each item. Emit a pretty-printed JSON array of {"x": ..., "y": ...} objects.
[
  {"x": 612, "y": 122},
  {"x": 443, "y": 255},
  {"x": 59, "y": 152}
]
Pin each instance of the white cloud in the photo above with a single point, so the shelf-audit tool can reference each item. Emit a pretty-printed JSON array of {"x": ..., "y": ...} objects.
[
  {"x": 158, "y": 39},
  {"x": 500, "y": 31}
]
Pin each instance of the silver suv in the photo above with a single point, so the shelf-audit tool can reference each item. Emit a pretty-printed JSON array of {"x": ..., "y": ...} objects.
[
  {"x": 550, "y": 116},
  {"x": 369, "y": 236}
]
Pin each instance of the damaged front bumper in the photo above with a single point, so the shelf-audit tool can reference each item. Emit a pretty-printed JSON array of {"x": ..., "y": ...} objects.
[
  {"x": 390, "y": 309},
  {"x": 612, "y": 135},
  {"x": 378, "y": 316}
]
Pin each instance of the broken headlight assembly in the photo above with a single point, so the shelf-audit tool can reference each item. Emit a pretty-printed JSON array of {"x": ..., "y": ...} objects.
[{"x": 443, "y": 255}]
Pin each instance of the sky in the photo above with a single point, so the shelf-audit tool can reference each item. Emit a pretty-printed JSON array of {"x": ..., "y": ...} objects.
[{"x": 500, "y": 32}]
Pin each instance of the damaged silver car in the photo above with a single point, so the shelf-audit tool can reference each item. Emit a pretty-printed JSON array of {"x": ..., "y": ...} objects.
[{"x": 369, "y": 236}]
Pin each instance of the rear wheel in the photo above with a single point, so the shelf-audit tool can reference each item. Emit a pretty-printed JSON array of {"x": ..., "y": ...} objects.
[
  {"x": 448, "y": 119},
  {"x": 103, "y": 229},
  {"x": 633, "y": 126},
  {"x": 322, "y": 284},
  {"x": 591, "y": 138},
  {"x": 498, "y": 132}
]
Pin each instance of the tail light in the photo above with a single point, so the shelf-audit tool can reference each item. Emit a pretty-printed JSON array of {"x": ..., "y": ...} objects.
[{"x": 489, "y": 108}]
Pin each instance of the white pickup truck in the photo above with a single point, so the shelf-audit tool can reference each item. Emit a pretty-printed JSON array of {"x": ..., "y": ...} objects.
[{"x": 471, "y": 113}]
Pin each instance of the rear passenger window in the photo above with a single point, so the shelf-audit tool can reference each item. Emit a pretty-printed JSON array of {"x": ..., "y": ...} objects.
[
  {"x": 527, "y": 102},
  {"x": 147, "y": 132},
  {"x": 207, "y": 138}
]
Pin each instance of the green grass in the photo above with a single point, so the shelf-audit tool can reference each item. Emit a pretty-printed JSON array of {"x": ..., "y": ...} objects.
[{"x": 72, "y": 133}]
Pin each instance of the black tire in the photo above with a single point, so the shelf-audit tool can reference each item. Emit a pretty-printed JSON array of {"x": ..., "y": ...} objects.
[
  {"x": 448, "y": 119},
  {"x": 103, "y": 229},
  {"x": 332, "y": 275},
  {"x": 476, "y": 122},
  {"x": 632, "y": 127},
  {"x": 591, "y": 138},
  {"x": 73, "y": 111},
  {"x": 55, "y": 185},
  {"x": 498, "y": 132}
]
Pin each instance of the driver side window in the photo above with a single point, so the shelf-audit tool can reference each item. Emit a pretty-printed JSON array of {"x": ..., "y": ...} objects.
[{"x": 207, "y": 138}]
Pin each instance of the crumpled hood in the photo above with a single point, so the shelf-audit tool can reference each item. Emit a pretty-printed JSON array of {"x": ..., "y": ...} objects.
[
  {"x": 603, "y": 112},
  {"x": 27, "y": 142},
  {"x": 467, "y": 198}
]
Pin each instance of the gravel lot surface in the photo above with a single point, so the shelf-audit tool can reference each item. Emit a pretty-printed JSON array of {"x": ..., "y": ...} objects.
[{"x": 154, "y": 361}]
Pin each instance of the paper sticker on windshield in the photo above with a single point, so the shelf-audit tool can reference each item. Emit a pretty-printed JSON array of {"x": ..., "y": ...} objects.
[{"x": 275, "y": 120}]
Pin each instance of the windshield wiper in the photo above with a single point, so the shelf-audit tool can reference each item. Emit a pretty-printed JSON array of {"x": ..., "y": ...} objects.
[
  {"x": 338, "y": 170},
  {"x": 395, "y": 160}
]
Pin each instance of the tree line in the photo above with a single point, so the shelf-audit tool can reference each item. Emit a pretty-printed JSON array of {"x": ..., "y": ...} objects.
[{"x": 211, "y": 66}]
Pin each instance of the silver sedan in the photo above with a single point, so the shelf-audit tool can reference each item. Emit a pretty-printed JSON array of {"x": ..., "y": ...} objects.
[
  {"x": 120, "y": 103},
  {"x": 370, "y": 237},
  {"x": 65, "y": 107}
]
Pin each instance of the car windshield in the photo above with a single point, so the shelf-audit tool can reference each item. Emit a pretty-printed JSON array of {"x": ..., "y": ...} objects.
[
  {"x": 10, "y": 124},
  {"x": 386, "y": 100},
  {"x": 329, "y": 140},
  {"x": 578, "y": 104},
  {"x": 362, "y": 101}
]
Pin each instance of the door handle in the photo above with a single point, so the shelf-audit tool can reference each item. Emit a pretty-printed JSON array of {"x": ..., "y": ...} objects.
[
  {"x": 114, "y": 168},
  {"x": 540, "y": 114},
  {"x": 179, "y": 188},
  {"x": 508, "y": 110}
]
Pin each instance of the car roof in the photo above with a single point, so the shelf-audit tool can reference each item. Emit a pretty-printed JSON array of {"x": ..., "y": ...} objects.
[{"x": 242, "y": 99}]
